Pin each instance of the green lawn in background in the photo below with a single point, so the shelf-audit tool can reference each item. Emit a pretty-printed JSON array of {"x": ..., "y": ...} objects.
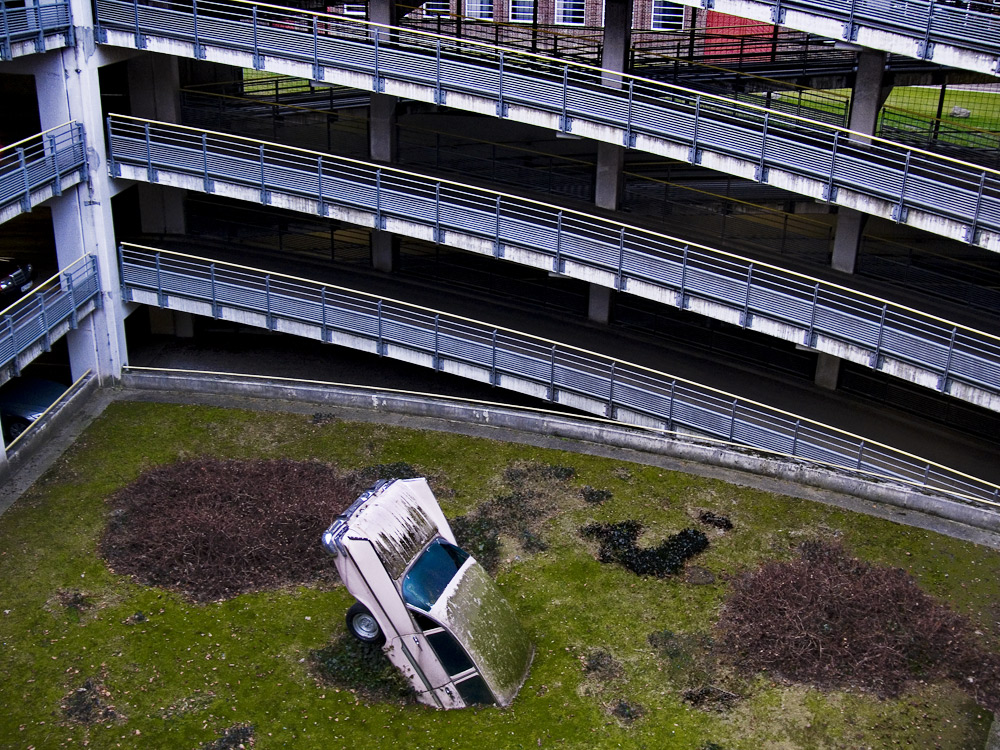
[{"x": 178, "y": 673}]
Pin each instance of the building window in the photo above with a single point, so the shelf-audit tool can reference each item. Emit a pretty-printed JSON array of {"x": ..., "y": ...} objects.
[
  {"x": 667, "y": 16},
  {"x": 437, "y": 8},
  {"x": 479, "y": 9},
  {"x": 356, "y": 10},
  {"x": 522, "y": 11},
  {"x": 571, "y": 12}
]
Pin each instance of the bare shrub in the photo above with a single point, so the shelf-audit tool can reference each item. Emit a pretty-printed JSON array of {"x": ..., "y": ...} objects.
[
  {"x": 217, "y": 528},
  {"x": 832, "y": 620}
]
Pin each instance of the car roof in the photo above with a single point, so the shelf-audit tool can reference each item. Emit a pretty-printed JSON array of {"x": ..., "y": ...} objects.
[{"x": 30, "y": 393}]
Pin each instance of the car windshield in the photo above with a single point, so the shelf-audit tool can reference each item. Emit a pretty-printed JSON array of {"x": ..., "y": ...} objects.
[{"x": 431, "y": 573}]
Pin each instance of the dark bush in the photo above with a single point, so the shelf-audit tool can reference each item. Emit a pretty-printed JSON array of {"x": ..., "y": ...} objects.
[
  {"x": 719, "y": 522},
  {"x": 618, "y": 545},
  {"x": 592, "y": 495},
  {"x": 214, "y": 529},
  {"x": 363, "y": 668},
  {"x": 233, "y": 738},
  {"x": 832, "y": 620}
]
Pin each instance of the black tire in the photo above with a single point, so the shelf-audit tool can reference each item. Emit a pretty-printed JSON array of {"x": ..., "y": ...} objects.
[
  {"x": 15, "y": 427},
  {"x": 363, "y": 625}
]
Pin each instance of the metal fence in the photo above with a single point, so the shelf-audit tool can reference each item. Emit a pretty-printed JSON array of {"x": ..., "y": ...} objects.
[
  {"x": 35, "y": 169},
  {"x": 766, "y": 298},
  {"x": 55, "y": 306},
  {"x": 951, "y": 197},
  {"x": 508, "y": 359},
  {"x": 35, "y": 23}
]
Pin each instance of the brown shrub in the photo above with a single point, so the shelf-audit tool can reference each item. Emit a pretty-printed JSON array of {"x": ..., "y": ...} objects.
[
  {"x": 217, "y": 528},
  {"x": 831, "y": 620}
]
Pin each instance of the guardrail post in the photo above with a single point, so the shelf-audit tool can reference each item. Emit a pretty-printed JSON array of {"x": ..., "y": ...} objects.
[
  {"x": 113, "y": 167},
  {"x": 693, "y": 155},
  {"x": 564, "y": 124},
  {"x": 438, "y": 232},
  {"x": 323, "y": 332},
  {"x": 831, "y": 190},
  {"x": 682, "y": 293},
  {"x": 497, "y": 249},
  {"x": 269, "y": 319},
  {"x": 22, "y": 162},
  {"x": 501, "y": 107},
  {"x": 319, "y": 187},
  {"x": 438, "y": 91},
  {"x": 40, "y": 35},
  {"x": 53, "y": 151},
  {"x": 140, "y": 39},
  {"x": 150, "y": 172},
  {"x": 70, "y": 287},
  {"x": 12, "y": 332},
  {"x": 620, "y": 273},
  {"x": 317, "y": 70},
  {"x": 732, "y": 420},
  {"x": 611, "y": 392},
  {"x": 378, "y": 83},
  {"x": 5, "y": 51},
  {"x": 670, "y": 406},
  {"x": 878, "y": 343},
  {"x": 943, "y": 380},
  {"x": 557, "y": 263},
  {"x": 745, "y": 315},
  {"x": 265, "y": 194},
  {"x": 850, "y": 29},
  {"x": 925, "y": 50},
  {"x": 761, "y": 168},
  {"x": 552, "y": 374},
  {"x": 258, "y": 60},
  {"x": 207, "y": 182},
  {"x": 436, "y": 359},
  {"x": 378, "y": 198},
  {"x": 199, "y": 49},
  {"x": 160, "y": 297},
  {"x": 378, "y": 344},
  {"x": 215, "y": 299},
  {"x": 899, "y": 211},
  {"x": 811, "y": 333},
  {"x": 795, "y": 437},
  {"x": 861, "y": 453},
  {"x": 494, "y": 379},
  {"x": 45, "y": 323},
  {"x": 629, "y": 139},
  {"x": 973, "y": 228}
]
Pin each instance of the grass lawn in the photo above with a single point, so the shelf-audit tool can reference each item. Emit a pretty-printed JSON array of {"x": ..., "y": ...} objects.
[{"x": 177, "y": 674}]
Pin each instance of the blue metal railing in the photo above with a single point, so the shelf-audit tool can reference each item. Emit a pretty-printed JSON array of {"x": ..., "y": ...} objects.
[
  {"x": 39, "y": 167},
  {"x": 546, "y": 369},
  {"x": 871, "y": 331},
  {"x": 31, "y": 324},
  {"x": 39, "y": 25},
  {"x": 933, "y": 192}
]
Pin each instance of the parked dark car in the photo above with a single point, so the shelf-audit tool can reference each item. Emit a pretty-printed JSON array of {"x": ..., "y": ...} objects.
[
  {"x": 15, "y": 279},
  {"x": 23, "y": 400}
]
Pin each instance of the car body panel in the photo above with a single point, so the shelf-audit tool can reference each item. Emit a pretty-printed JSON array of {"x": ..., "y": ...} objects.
[
  {"x": 467, "y": 645},
  {"x": 26, "y": 399}
]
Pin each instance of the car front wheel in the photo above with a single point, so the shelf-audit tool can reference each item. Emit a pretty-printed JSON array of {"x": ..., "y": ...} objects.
[{"x": 363, "y": 625}]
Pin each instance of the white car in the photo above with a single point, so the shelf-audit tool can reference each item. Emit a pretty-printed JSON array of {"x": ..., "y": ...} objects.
[{"x": 436, "y": 612}]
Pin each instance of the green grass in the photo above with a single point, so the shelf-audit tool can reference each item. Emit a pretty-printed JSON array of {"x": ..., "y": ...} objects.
[{"x": 181, "y": 673}]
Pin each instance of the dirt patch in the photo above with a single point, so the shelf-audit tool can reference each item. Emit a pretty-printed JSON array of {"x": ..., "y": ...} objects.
[
  {"x": 711, "y": 698},
  {"x": 602, "y": 665},
  {"x": 628, "y": 711},
  {"x": 361, "y": 668},
  {"x": 214, "y": 529},
  {"x": 619, "y": 545},
  {"x": 90, "y": 704},
  {"x": 831, "y": 620}
]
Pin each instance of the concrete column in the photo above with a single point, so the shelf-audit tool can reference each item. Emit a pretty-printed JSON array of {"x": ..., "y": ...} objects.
[
  {"x": 867, "y": 98},
  {"x": 382, "y": 137},
  {"x": 67, "y": 85},
  {"x": 154, "y": 90},
  {"x": 608, "y": 180},
  {"x": 384, "y": 248}
]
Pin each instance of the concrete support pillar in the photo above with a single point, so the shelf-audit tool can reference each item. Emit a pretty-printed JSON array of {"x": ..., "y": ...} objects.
[
  {"x": 599, "y": 304},
  {"x": 614, "y": 57},
  {"x": 154, "y": 90},
  {"x": 67, "y": 86},
  {"x": 867, "y": 98},
  {"x": 384, "y": 248}
]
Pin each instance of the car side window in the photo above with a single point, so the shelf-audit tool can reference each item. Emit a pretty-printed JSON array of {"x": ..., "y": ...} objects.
[{"x": 431, "y": 573}]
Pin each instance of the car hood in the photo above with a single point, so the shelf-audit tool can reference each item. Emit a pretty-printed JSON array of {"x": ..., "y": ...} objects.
[
  {"x": 29, "y": 398},
  {"x": 483, "y": 621}
]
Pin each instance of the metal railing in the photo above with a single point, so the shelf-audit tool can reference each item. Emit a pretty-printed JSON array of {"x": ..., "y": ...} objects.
[
  {"x": 961, "y": 33},
  {"x": 30, "y": 325},
  {"x": 546, "y": 369},
  {"x": 769, "y": 299},
  {"x": 26, "y": 28},
  {"x": 40, "y": 167},
  {"x": 934, "y": 192}
]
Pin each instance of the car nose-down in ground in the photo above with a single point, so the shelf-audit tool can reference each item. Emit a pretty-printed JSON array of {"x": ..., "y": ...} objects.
[{"x": 436, "y": 612}]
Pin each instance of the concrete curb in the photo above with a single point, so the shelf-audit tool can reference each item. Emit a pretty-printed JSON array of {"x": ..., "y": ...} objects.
[{"x": 683, "y": 447}]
